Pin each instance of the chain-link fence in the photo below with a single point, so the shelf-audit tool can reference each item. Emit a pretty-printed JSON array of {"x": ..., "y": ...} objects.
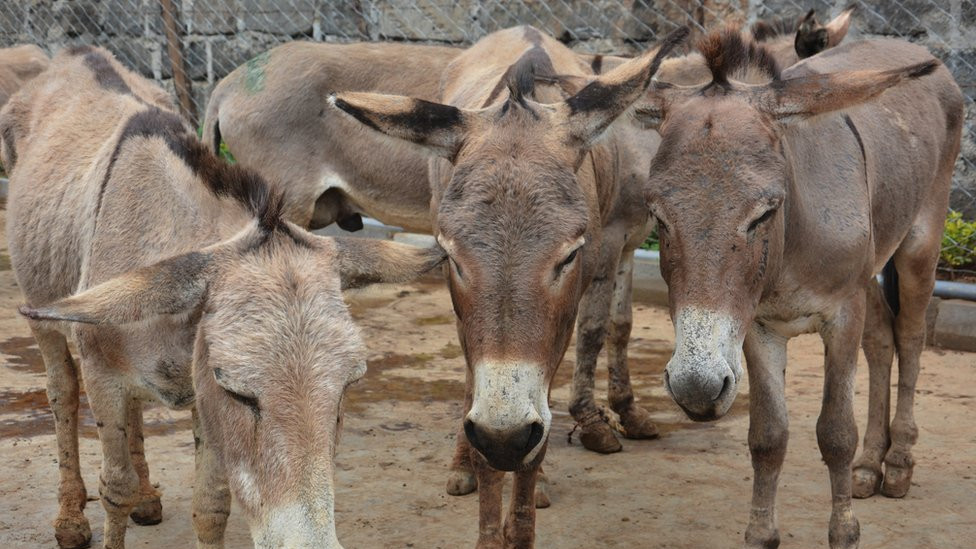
[{"x": 200, "y": 41}]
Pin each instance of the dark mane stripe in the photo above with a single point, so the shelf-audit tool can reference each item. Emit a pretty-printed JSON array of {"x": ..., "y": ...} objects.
[
  {"x": 222, "y": 179},
  {"x": 763, "y": 31},
  {"x": 521, "y": 77},
  {"x": 726, "y": 52},
  {"x": 105, "y": 74}
]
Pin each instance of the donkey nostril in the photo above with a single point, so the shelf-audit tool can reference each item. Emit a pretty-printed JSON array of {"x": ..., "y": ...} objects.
[
  {"x": 472, "y": 433},
  {"x": 726, "y": 386},
  {"x": 537, "y": 430}
]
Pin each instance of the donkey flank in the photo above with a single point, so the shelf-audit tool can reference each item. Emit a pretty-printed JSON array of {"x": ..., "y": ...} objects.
[
  {"x": 755, "y": 185},
  {"x": 203, "y": 295}
]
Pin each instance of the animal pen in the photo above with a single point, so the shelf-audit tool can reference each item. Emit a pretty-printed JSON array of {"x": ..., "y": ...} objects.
[{"x": 401, "y": 419}]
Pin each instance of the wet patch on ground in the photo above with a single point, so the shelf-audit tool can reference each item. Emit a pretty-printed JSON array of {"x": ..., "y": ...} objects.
[
  {"x": 4, "y": 262},
  {"x": 22, "y": 355},
  {"x": 382, "y": 383}
]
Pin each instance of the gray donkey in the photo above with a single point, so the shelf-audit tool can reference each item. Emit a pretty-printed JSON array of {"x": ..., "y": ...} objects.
[
  {"x": 776, "y": 209},
  {"x": 181, "y": 282}
]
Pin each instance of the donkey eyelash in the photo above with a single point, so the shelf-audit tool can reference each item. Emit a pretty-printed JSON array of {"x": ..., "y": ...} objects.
[{"x": 762, "y": 219}]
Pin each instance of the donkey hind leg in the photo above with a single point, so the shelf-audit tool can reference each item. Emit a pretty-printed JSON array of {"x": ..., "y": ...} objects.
[
  {"x": 836, "y": 428},
  {"x": 591, "y": 331},
  {"x": 768, "y": 431},
  {"x": 490, "y": 532},
  {"x": 636, "y": 421},
  {"x": 915, "y": 262},
  {"x": 71, "y": 528},
  {"x": 211, "y": 495},
  {"x": 879, "y": 347},
  {"x": 149, "y": 511}
]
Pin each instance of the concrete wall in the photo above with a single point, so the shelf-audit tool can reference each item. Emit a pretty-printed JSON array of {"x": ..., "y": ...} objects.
[{"x": 219, "y": 35}]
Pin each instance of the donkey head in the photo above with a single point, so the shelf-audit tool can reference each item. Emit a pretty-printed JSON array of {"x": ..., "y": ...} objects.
[
  {"x": 518, "y": 215},
  {"x": 275, "y": 349},
  {"x": 717, "y": 186}
]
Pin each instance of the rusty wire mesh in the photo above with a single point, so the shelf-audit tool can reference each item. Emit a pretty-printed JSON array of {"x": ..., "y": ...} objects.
[{"x": 216, "y": 36}]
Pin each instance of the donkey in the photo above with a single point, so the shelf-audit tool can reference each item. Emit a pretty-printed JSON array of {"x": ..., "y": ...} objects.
[
  {"x": 775, "y": 212},
  {"x": 18, "y": 64},
  {"x": 191, "y": 289},
  {"x": 521, "y": 193}
]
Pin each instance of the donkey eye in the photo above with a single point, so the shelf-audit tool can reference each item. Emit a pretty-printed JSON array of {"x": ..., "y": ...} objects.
[
  {"x": 456, "y": 267},
  {"x": 568, "y": 261},
  {"x": 761, "y": 219},
  {"x": 249, "y": 401}
]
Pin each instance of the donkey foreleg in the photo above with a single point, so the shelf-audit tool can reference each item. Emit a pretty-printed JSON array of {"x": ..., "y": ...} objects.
[
  {"x": 836, "y": 428},
  {"x": 149, "y": 511},
  {"x": 490, "y": 532},
  {"x": 211, "y": 494},
  {"x": 520, "y": 524},
  {"x": 768, "y": 430},
  {"x": 636, "y": 420},
  {"x": 71, "y": 528}
]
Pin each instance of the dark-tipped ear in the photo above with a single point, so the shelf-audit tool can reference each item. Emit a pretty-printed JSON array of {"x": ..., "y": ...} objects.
[
  {"x": 365, "y": 261},
  {"x": 591, "y": 110},
  {"x": 172, "y": 286},
  {"x": 440, "y": 128},
  {"x": 813, "y": 38},
  {"x": 799, "y": 98}
]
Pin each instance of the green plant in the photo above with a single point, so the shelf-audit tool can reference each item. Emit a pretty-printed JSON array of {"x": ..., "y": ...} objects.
[
  {"x": 652, "y": 242},
  {"x": 224, "y": 151},
  {"x": 958, "y": 242}
]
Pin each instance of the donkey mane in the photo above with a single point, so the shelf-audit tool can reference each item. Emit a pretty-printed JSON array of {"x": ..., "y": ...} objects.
[
  {"x": 221, "y": 178},
  {"x": 727, "y": 53},
  {"x": 521, "y": 77}
]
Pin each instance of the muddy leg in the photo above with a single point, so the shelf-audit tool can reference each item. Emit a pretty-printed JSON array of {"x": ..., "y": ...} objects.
[
  {"x": 490, "y": 533},
  {"x": 461, "y": 478},
  {"x": 520, "y": 524},
  {"x": 150, "y": 509},
  {"x": 542, "y": 500},
  {"x": 635, "y": 420},
  {"x": 768, "y": 431},
  {"x": 879, "y": 348},
  {"x": 211, "y": 495},
  {"x": 836, "y": 428},
  {"x": 591, "y": 330},
  {"x": 915, "y": 262},
  {"x": 71, "y": 527}
]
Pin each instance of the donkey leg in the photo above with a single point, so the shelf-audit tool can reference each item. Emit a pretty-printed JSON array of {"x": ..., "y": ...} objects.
[
  {"x": 591, "y": 331},
  {"x": 149, "y": 511},
  {"x": 915, "y": 263},
  {"x": 635, "y": 419},
  {"x": 211, "y": 495},
  {"x": 490, "y": 531},
  {"x": 836, "y": 428},
  {"x": 71, "y": 528},
  {"x": 768, "y": 431},
  {"x": 879, "y": 348},
  {"x": 520, "y": 524},
  {"x": 461, "y": 478}
]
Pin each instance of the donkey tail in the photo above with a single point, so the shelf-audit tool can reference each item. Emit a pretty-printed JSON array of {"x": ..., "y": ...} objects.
[
  {"x": 889, "y": 286},
  {"x": 211, "y": 122}
]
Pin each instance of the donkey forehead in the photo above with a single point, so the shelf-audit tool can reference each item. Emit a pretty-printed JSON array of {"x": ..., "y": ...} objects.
[{"x": 716, "y": 120}]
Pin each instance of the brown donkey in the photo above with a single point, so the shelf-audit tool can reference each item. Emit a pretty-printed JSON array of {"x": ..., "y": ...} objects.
[
  {"x": 775, "y": 213},
  {"x": 520, "y": 198},
  {"x": 189, "y": 288},
  {"x": 19, "y": 64}
]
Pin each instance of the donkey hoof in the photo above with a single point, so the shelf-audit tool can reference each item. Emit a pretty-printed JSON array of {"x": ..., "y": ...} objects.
[
  {"x": 637, "y": 424},
  {"x": 72, "y": 533},
  {"x": 461, "y": 482},
  {"x": 148, "y": 513},
  {"x": 845, "y": 531},
  {"x": 865, "y": 482},
  {"x": 542, "y": 493},
  {"x": 897, "y": 481},
  {"x": 761, "y": 538},
  {"x": 598, "y": 437}
]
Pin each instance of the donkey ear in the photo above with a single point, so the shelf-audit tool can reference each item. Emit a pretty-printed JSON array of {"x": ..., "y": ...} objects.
[
  {"x": 800, "y": 98},
  {"x": 365, "y": 261},
  {"x": 599, "y": 103},
  {"x": 838, "y": 27},
  {"x": 171, "y": 286},
  {"x": 440, "y": 128}
]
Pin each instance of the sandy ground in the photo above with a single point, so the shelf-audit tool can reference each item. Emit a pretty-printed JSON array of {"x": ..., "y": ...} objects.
[{"x": 689, "y": 489}]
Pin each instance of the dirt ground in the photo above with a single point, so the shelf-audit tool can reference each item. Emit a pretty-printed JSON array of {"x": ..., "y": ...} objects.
[{"x": 690, "y": 489}]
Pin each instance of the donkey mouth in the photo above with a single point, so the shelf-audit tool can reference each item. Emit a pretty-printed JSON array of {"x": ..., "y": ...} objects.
[{"x": 709, "y": 414}]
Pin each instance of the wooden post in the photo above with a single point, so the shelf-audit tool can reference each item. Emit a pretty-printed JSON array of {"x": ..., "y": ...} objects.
[{"x": 181, "y": 82}]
